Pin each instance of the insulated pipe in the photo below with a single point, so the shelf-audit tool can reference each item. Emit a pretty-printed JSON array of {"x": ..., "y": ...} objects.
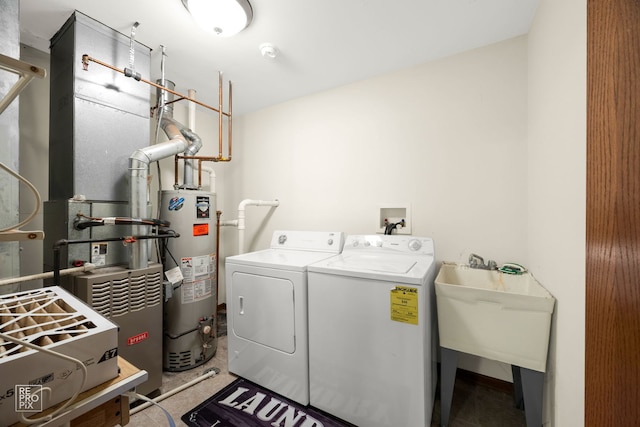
[
  {"x": 241, "y": 215},
  {"x": 139, "y": 192},
  {"x": 49, "y": 274}
]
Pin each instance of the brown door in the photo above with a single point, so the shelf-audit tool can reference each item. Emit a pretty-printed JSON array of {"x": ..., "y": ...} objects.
[{"x": 612, "y": 370}]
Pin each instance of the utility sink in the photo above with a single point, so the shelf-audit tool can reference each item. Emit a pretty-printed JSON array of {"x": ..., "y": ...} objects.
[{"x": 499, "y": 316}]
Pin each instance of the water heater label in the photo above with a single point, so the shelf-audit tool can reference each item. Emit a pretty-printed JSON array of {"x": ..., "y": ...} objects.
[
  {"x": 202, "y": 207},
  {"x": 197, "y": 272},
  {"x": 176, "y": 203},
  {"x": 196, "y": 267},
  {"x": 174, "y": 275},
  {"x": 200, "y": 229},
  {"x": 404, "y": 305},
  {"x": 195, "y": 291},
  {"x": 99, "y": 254}
]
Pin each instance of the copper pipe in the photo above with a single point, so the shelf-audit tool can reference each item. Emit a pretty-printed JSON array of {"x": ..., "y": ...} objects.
[
  {"x": 218, "y": 214},
  {"x": 86, "y": 58},
  {"x": 230, "y": 120},
  {"x": 220, "y": 158},
  {"x": 220, "y": 115},
  {"x": 205, "y": 158},
  {"x": 200, "y": 159}
]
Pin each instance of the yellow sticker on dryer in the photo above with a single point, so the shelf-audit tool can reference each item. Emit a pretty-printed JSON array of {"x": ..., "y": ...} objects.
[{"x": 404, "y": 305}]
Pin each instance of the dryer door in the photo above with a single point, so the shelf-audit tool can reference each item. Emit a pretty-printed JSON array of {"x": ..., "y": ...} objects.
[{"x": 263, "y": 310}]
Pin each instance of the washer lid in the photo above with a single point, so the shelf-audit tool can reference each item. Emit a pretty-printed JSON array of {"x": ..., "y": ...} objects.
[
  {"x": 380, "y": 264},
  {"x": 283, "y": 259},
  {"x": 413, "y": 269}
]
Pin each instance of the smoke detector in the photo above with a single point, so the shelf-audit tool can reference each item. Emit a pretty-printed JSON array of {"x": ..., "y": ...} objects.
[{"x": 268, "y": 50}]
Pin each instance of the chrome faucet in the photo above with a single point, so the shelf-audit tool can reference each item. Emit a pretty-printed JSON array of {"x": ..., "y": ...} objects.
[{"x": 476, "y": 261}]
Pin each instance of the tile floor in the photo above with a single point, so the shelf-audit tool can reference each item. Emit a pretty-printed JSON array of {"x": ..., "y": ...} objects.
[{"x": 475, "y": 404}]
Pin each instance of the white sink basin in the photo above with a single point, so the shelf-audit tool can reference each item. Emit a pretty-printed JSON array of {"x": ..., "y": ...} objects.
[{"x": 491, "y": 314}]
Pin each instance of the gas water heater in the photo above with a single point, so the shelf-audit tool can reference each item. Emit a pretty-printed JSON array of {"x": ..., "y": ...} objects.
[{"x": 190, "y": 336}]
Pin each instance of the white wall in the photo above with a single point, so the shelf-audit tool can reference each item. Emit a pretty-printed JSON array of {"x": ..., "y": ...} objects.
[
  {"x": 449, "y": 137},
  {"x": 556, "y": 157}
]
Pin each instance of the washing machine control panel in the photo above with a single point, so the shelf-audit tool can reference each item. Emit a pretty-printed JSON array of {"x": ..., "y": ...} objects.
[
  {"x": 415, "y": 244},
  {"x": 390, "y": 243}
]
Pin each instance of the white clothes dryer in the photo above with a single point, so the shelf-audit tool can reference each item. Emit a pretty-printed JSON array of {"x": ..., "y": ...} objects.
[
  {"x": 267, "y": 310},
  {"x": 372, "y": 331}
]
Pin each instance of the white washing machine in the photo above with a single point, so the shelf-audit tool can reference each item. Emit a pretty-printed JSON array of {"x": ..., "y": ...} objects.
[
  {"x": 372, "y": 332},
  {"x": 267, "y": 310}
]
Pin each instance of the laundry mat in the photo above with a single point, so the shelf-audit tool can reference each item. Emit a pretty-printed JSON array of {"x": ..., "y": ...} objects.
[{"x": 245, "y": 404}]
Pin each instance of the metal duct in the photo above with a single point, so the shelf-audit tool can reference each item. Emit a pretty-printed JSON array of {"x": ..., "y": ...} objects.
[
  {"x": 165, "y": 108},
  {"x": 139, "y": 191},
  {"x": 98, "y": 118}
]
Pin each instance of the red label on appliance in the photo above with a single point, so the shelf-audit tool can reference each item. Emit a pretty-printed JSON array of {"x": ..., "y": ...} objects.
[
  {"x": 200, "y": 229},
  {"x": 137, "y": 338}
]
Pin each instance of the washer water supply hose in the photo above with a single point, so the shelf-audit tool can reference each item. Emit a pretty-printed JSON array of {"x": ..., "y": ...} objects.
[
  {"x": 389, "y": 227},
  {"x": 512, "y": 268}
]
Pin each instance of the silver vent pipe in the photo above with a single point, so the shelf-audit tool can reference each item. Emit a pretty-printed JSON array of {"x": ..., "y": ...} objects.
[
  {"x": 192, "y": 150},
  {"x": 165, "y": 106},
  {"x": 139, "y": 191}
]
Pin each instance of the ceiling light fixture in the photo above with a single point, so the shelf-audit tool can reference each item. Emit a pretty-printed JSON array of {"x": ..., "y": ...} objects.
[{"x": 224, "y": 18}]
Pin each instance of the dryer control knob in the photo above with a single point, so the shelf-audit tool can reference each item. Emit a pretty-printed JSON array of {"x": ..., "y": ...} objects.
[
  {"x": 330, "y": 242},
  {"x": 282, "y": 238},
  {"x": 415, "y": 244}
]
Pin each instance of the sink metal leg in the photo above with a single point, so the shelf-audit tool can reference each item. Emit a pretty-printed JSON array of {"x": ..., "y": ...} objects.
[
  {"x": 518, "y": 400},
  {"x": 449, "y": 366},
  {"x": 532, "y": 390}
]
